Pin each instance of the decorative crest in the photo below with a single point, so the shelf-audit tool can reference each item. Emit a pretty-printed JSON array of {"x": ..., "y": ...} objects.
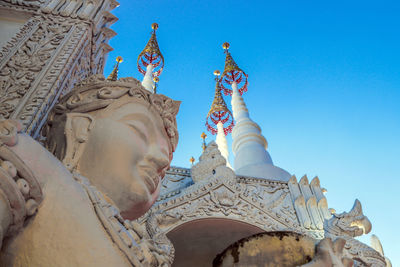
[
  {"x": 232, "y": 73},
  {"x": 151, "y": 55},
  {"x": 219, "y": 112},
  {"x": 114, "y": 74}
]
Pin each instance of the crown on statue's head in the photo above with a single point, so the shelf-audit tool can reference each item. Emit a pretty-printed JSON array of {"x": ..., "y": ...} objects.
[{"x": 96, "y": 93}]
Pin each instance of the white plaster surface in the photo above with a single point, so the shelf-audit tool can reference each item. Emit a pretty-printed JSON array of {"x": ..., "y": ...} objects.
[
  {"x": 249, "y": 146},
  {"x": 222, "y": 143},
  {"x": 148, "y": 79}
]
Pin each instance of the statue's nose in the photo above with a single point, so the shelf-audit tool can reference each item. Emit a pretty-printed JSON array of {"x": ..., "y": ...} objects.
[{"x": 158, "y": 156}]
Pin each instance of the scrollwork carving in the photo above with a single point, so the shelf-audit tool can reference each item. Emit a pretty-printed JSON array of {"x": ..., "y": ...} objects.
[{"x": 18, "y": 74}]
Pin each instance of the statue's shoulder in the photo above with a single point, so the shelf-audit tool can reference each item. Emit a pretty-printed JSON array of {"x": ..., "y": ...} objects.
[
  {"x": 42, "y": 200},
  {"x": 19, "y": 186}
]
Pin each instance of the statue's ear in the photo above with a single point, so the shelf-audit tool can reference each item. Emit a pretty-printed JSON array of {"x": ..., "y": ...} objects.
[{"x": 77, "y": 128}]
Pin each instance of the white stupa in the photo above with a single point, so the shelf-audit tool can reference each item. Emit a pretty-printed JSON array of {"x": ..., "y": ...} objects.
[{"x": 249, "y": 145}]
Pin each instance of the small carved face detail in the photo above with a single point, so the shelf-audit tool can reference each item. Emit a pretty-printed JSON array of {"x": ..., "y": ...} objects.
[{"x": 126, "y": 154}]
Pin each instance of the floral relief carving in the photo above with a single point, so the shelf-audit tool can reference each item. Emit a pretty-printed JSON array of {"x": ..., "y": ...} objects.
[
  {"x": 18, "y": 74},
  {"x": 59, "y": 77},
  {"x": 224, "y": 198},
  {"x": 218, "y": 193},
  {"x": 62, "y": 43}
]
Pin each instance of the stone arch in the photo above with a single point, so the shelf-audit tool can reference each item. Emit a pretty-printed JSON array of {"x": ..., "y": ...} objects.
[{"x": 197, "y": 242}]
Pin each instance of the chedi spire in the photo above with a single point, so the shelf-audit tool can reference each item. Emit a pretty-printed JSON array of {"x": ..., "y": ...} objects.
[
  {"x": 249, "y": 145},
  {"x": 220, "y": 120},
  {"x": 150, "y": 61}
]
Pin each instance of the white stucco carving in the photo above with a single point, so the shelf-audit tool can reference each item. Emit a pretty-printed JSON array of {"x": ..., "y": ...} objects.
[
  {"x": 348, "y": 225},
  {"x": 59, "y": 45}
]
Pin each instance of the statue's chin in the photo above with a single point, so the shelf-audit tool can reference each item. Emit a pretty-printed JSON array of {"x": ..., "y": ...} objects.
[{"x": 138, "y": 209}]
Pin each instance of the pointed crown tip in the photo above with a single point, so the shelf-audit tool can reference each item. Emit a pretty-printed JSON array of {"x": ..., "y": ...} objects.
[{"x": 154, "y": 26}]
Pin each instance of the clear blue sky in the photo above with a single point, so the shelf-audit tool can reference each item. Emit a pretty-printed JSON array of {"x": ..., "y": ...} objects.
[{"x": 324, "y": 85}]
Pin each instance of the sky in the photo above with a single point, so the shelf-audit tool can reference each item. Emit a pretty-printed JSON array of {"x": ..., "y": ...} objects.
[{"x": 324, "y": 86}]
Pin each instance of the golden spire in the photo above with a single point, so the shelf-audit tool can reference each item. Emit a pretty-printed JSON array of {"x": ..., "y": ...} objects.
[
  {"x": 232, "y": 73},
  {"x": 230, "y": 64},
  {"x": 218, "y": 103},
  {"x": 191, "y": 160},
  {"x": 151, "y": 55},
  {"x": 219, "y": 112},
  {"x": 114, "y": 74},
  {"x": 203, "y": 136}
]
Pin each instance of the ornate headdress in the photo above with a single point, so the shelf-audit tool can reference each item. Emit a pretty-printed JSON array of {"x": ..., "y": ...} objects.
[{"x": 96, "y": 93}]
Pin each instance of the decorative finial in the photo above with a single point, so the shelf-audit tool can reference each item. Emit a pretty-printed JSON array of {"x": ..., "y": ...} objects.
[
  {"x": 203, "y": 136},
  {"x": 114, "y": 74},
  {"x": 151, "y": 55},
  {"x": 191, "y": 160},
  {"x": 217, "y": 73},
  {"x": 232, "y": 73},
  {"x": 226, "y": 46},
  {"x": 154, "y": 26},
  {"x": 219, "y": 112},
  {"x": 155, "y": 80}
]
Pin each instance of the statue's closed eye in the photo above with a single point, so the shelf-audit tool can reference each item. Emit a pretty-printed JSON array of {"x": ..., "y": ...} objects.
[{"x": 139, "y": 129}]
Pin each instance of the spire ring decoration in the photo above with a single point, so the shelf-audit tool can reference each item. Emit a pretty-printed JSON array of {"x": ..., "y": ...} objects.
[
  {"x": 232, "y": 73},
  {"x": 151, "y": 54},
  {"x": 219, "y": 112}
]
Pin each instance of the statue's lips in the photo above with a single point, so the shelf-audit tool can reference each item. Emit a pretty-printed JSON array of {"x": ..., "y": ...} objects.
[{"x": 149, "y": 176}]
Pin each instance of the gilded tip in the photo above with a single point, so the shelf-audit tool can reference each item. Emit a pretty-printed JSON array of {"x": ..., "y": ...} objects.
[
  {"x": 154, "y": 26},
  {"x": 203, "y": 135},
  {"x": 119, "y": 59},
  {"x": 217, "y": 72},
  {"x": 191, "y": 160},
  {"x": 226, "y": 46},
  {"x": 156, "y": 79}
]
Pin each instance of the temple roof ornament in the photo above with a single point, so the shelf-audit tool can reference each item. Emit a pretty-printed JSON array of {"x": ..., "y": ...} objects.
[
  {"x": 203, "y": 136},
  {"x": 114, "y": 74},
  {"x": 219, "y": 112},
  {"x": 151, "y": 55},
  {"x": 232, "y": 73},
  {"x": 192, "y": 160},
  {"x": 156, "y": 80}
]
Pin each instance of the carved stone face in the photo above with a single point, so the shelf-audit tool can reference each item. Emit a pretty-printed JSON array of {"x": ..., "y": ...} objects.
[{"x": 126, "y": 152}]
